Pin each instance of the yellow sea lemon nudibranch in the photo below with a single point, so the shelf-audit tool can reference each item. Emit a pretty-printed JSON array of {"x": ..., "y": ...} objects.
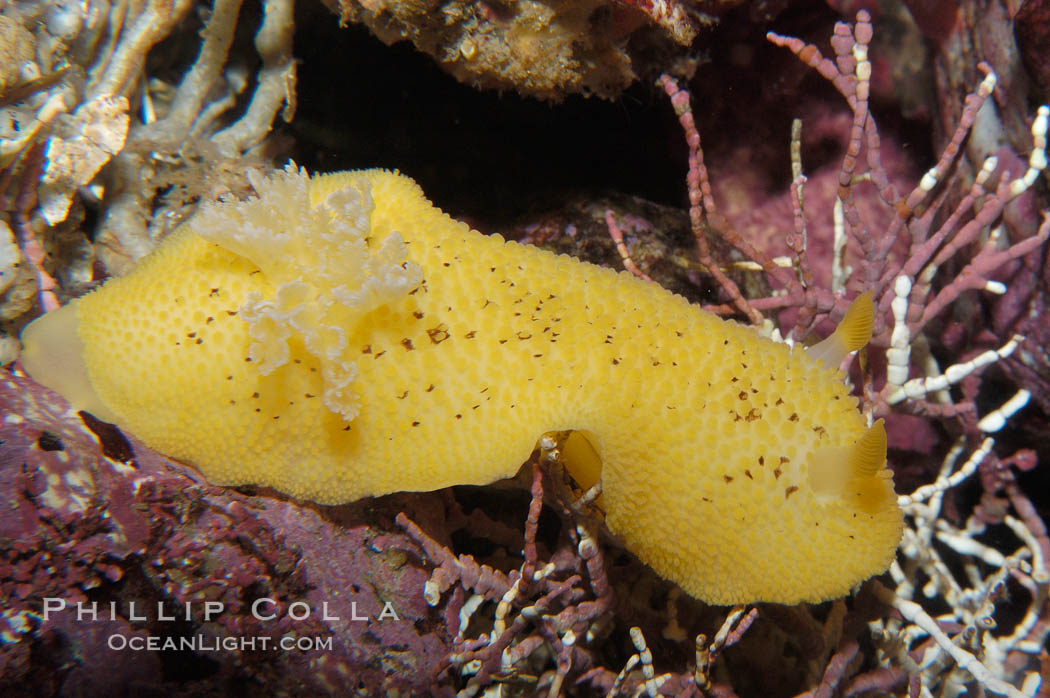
[{"x": 339, "y": 337}]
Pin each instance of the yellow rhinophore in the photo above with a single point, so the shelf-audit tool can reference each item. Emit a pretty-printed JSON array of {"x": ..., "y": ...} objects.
[{"x": 339, "y": 337}]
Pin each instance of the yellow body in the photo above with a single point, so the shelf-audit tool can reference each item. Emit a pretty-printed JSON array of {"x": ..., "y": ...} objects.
[{"x": 705, "y": 430}]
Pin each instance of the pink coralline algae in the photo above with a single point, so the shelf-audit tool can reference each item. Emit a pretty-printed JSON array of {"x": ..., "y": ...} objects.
[
  {"x": 918, "y": 246},
  {"x": 108, "y": 550}
]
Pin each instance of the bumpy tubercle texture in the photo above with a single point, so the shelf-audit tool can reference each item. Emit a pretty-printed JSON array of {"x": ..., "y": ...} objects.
[{"x": 339, "y": 337}]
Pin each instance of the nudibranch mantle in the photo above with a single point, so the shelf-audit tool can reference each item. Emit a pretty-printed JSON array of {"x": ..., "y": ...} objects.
[{"x": 339, "y": 337}]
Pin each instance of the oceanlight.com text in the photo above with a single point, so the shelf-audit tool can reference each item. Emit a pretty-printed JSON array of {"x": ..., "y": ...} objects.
[{"x": 201, "y": 643}]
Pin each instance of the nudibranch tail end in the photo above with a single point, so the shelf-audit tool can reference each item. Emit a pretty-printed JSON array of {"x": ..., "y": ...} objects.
[{"x": 53, "y": 355}]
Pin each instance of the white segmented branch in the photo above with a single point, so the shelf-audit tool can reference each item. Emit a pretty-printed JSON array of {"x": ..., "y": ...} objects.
[
  {"x": 898, "y": 354},
  {"x": 914, "y": 613},
  {"x": 499, "y": 625},
  {"x": 918, "y": 387},
  {"x": 1037, "y": 160},
  {"x": 839, "y": 273},
  {"x": 467, "y": 610},
  {"x": 965, "y": 545},
  {"x": 994, "y": 421},
  {"x": 614, "y": 690},
  {"x": 730, "y": 622},
  {"x": 988, "y": 84},
  {"x": 990, "y": 163},
  {"x": 1032, "y": 682},
  {"x": 944, "y": 483},
  {"x": 544, "y": 572},
  {"x": 1022, "y": 531},
  {"x": 646, "y": 656},
  {"x": 929, "y": 180}
]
